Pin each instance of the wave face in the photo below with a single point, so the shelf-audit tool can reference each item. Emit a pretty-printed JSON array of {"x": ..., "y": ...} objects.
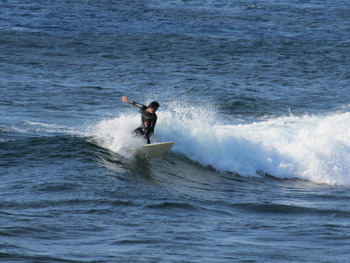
[{"x": 311, "y": 147}]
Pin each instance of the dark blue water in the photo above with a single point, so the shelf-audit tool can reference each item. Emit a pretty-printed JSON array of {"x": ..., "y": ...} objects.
[{"x": 255, "y": 95}]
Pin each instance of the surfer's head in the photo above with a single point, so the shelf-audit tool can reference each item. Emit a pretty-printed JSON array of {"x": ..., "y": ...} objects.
[{"x": 153, "y": 107}]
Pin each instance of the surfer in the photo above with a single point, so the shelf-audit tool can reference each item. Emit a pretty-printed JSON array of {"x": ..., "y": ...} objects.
[{"x": 148, "y": 118}]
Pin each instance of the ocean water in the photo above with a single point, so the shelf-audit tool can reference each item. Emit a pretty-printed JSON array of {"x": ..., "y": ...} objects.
[{"x": 255, "y": 95}]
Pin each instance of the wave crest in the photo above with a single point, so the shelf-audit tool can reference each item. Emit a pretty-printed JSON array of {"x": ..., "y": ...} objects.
[{"x": 314, "y": 148}]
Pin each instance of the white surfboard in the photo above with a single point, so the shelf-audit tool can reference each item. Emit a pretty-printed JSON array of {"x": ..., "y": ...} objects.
[{"x": 154, "y": 150}]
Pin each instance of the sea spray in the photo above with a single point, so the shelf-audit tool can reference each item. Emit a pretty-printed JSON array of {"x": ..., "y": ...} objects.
[{"x": 116, "y": 134}]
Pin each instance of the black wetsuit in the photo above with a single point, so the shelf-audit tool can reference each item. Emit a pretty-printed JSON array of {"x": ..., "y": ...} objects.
[{"x": 148, "y": 120}]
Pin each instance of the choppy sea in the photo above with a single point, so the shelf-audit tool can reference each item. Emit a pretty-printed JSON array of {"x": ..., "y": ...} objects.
[{"x": 255, "y": 95}]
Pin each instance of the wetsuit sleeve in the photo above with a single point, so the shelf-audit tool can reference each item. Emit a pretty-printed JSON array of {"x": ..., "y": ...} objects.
[{"x": 138, "y": 105}]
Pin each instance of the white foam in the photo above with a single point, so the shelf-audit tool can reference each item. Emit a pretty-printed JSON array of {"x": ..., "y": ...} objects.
[{"x": 314, "y": 148}]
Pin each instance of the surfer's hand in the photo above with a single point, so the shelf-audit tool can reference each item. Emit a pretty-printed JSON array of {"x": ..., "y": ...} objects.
[{"x": 125, "y": 99}]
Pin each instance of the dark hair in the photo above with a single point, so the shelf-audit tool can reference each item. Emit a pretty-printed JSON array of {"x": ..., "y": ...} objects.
[{"x": 153, "y": 104}]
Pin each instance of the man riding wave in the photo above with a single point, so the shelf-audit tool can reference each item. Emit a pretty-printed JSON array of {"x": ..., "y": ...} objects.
[{"x": 148, "y": 118}]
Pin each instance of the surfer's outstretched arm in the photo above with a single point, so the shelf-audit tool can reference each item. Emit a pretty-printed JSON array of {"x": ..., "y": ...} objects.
[{"x": 139, "y": 105}]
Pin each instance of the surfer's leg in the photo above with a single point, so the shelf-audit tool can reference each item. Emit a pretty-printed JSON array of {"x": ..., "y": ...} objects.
[
  {"x": 139, "y": 132},
  {"x": 147, "y": 139},
  {"x": 148, "y": 134}
]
